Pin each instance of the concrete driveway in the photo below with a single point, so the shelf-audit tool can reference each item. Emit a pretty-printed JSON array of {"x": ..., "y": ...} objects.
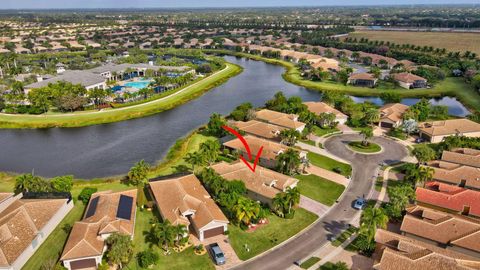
[
  {"x": 365, "y": 170},
  {"x": 222, "y": 240}
]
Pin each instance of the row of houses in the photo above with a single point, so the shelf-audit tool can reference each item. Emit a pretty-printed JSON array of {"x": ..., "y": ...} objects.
[{"x": 442, "y": 230}]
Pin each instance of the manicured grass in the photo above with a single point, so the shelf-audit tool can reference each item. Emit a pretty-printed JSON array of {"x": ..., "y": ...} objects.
[
  {"x": 379, "y": 184},
  {"x": 359, "y": 147},
  {"x": 309, "y": 142},
  {"x": 319, "y": 189},
  {"x": 329, "y": 164},
  {"x": 310, "y": 262},
  {"x": 450, "y": 41},
  {"x": 270, "y": 235},
  {"x": 344, "y": 236},
  {"x": 454, "y": 87},
  {"x": 52, "y": 248},
  {"x": 323, "y": 131},
  {"x": 183, "y": 260},
  {"x": 113, "y": 115}
]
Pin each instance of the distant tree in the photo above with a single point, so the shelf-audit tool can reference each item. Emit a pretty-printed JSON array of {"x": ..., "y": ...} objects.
[
  {"x": 138, "y": 174},
  {"x": 31, "y": 183},
  {"x": 424, "y": 153},
  {"x": 195, "y": 159},
  {"x": 210, "y": 150},
  {"x": 215, "y": 124},
  {"x": 86, "y": 193},
  {"x": 62, "y": 183},
  {"x": 241, "y": 112}
]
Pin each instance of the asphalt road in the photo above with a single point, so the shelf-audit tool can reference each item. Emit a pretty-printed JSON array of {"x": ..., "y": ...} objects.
[{"x": 365, "y": 170}]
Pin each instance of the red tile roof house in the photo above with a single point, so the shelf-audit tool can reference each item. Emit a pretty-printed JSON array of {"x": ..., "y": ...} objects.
[
  {"x": 409, "y": 80},
  {"x": 462, "y": 156},
  {"x": 25, "y": 224},
  {"x": 183, "y": 200},
  {"x": 280, "y": 119},
  {"x": 449, "y": 198},
  {"x": 391, "y": 115},
  {"x": 362, "y": 79},
  {"x": 107, "y": 212},
  {"x": 321, "y": 107},
  {"x": 454, "y": 232},
  {"x": 456, "y": 174}
]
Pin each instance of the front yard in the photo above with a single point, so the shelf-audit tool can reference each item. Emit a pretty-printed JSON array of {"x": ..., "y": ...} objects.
[
  {"x": 268, "y": 236},
  {"x": 319, "y": 189},
  {"x": 183, "y": 260},
  {"x": 329, "y": 164}
]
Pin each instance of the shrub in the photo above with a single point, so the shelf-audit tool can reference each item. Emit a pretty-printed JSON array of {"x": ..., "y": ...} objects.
[
  {"x": 147, "y": 258},
  {"x": 337, "y": 170},
  {"x": 86, "y": 193}
]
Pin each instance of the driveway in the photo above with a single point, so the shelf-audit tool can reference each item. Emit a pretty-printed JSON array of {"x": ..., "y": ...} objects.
[
  {"x": 329, "y": 175},
  {"x": 365, "y": 170},
  {"x": 313, "y": 206},
  {"x": 222, "y": 240}
]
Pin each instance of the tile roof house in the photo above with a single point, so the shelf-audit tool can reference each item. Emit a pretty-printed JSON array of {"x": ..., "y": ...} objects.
[
  {"x": 456, "y": 174},
  {"x": 262, "y": 185},
  {"x": 280, "y": 119},
  {"x": 391, "y": 115},
  {"x": 183, "y": 200},
  {"x": 269, "y": 153},
  {"x": 436, "y": 131},
  {"x": 409, "y": 80},
  {"x": 463, "y": 156},
  {"x": 362, "y": 79},
  {"x": 395, "y": 252},
  {"x": 83, "y": 77},
  {"x": 452, "y": 231},
  {"x": 107, "y": 212},
  {"x": 449, "y": 198},
  {"x": 25, "y": 224},
  {"x": 321, "y": 107},
  {"x": 260, "y": 129}
]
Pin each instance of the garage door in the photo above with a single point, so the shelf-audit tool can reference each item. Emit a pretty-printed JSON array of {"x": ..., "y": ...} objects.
[
  {"x": 213, "y": 232},
  {"x": 83, "y": 264},
  {"x": 386, "y": 125}
]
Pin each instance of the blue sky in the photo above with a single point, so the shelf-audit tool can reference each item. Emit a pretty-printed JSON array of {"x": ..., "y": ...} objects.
[{"x": 57, "y": 4}]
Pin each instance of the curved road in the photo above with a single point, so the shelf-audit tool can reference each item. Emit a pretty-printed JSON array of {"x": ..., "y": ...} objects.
[{"x": 365, "y": 169}]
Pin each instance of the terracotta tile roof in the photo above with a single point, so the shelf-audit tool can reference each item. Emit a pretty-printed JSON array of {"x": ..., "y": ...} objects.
[
  {"x": 5, "y": 195},
  {"x": 455, "y": 173},
  {"x": 270, "y": 149},
  {"x": 407, "y": 77},
  {"x": 186, "y": 194},
  {"x": 263, "y": 181},
  {"x": 449, "y": 127},
  {"x": 449, "y": 197},
  {"x": 393, "y": 111},
  {"x": 260, "y": 129},
  {"x": 321, "y": 107},
  {"x": 400, "y": 252},
  {"x": 85, "y": 238},
  {"x": 20, "y": 223},
  {"x": 464, "y": 156},
  {"x": 280, "y": 119},
  {"x": 442, "y": 227},
  {"x": 362, "y": 76}
]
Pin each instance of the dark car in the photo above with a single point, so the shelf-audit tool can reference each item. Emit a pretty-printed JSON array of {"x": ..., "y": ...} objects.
[
  {"x": 359, "y": 203},
  {"x": 217, "y": 254}
]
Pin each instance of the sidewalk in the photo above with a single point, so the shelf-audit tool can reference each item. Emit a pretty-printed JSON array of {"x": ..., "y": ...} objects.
[{"x": 319, "y": 151}]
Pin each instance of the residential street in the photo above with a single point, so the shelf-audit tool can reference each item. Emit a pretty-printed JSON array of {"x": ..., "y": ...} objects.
[{"x": 365, "y": 169}]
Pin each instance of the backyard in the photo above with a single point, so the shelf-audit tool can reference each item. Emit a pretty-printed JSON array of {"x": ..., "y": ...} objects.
[{"x": 319, "y": 189}]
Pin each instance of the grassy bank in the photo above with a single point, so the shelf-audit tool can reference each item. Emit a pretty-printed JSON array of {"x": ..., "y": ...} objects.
[
  {"x": 88, "y": 118},
  {"x": 319, "y": 189},
  {"x": 453, "y": 87}
]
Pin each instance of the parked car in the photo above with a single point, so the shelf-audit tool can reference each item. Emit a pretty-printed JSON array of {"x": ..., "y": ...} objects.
[
  {"x": 359, "y": 203},
  {"x": 419, "y": 140},
  {"x": 217, "y": 254}
]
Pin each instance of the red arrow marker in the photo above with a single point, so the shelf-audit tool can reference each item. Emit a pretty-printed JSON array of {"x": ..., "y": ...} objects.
[{"x": 247, "y": 147}]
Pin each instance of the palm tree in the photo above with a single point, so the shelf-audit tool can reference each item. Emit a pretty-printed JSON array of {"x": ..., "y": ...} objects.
[
  {"x": 305, "y": 163},
  {"x": 246, "y": 210},
  {"x": 195, "y": 159},
  {"x": 164, "y": 233},
  {"x": 425, "y": 174},
  {"x": 372, "y": 218},
  {"x": 138, "y": 174},
  {"x": 180, "y": 232},
  {"x": 372, "y": 116},
  {"x": 210, "y": 149},
  {"x": 367, "y": 134},
  {"x": 288, "y": 162},
  {"x": 292, "y": 197},
  {"x": 289, "y": 136}
]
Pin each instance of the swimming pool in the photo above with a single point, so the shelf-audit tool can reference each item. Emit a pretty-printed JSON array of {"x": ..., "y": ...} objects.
[{"x": 138, "y": 84}]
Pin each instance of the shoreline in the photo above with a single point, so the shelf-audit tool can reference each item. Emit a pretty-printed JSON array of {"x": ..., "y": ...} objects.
[{"x": 82, "y": 119}]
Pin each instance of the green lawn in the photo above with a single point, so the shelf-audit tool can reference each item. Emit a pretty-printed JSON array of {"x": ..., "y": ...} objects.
[
  {"x": 183, "y": 260},
  {"x": 379, "y": 184},
  {"x": 87, "y": 118},
  {"x": 359, "y": 147},
  {"x": 309, "y": 142},
  {"x": 268, "y": 236},
  {"x": 344, "y": 236},
  {"x": 319, "y": 189},
  {"x": 318, "y": 131},
  {"x": 310, "y": 262},
  {"x": 329, "y": 164}
]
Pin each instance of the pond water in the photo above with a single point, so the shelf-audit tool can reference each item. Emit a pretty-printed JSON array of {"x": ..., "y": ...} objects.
[{"x": 111, "y": 149}]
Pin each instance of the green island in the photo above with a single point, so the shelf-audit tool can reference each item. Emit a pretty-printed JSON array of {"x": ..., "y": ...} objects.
[
  {"x": 450, "y": 86},
  {"x": 369, "y": 148},
  {"x": 87, "y": 118}
]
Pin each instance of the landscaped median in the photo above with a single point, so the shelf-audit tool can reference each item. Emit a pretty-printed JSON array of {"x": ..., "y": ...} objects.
[
  {"x": 79, "y": 119},
  {"x": 369, "y": 148}
]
